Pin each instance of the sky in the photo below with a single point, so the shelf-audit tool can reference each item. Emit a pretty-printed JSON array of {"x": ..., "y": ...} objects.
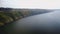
[{"x": 40, "y": 4}]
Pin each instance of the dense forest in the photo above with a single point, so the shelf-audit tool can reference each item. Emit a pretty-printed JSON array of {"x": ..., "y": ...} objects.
[{"x": 8, "y": 15}]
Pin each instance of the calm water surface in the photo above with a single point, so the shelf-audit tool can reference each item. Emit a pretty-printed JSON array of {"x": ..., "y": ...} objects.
[{"x": 48, "y": 22}]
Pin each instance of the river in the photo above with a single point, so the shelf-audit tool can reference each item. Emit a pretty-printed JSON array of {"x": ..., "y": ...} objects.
[{"x": 42, "y": 23}]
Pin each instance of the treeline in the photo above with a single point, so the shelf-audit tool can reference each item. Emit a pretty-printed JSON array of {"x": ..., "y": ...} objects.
[{"x": 8, "y": 15}]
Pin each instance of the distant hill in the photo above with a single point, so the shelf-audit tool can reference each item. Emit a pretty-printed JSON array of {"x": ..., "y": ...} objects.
[
  {"x": 31, "y": 11},
  {"x": 5, "y": 9}
]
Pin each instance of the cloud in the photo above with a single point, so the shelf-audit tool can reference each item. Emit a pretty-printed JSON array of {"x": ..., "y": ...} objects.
[{"x": 41, "y": 4}]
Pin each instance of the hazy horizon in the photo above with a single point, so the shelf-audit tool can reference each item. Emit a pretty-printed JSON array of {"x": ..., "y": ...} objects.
[{"x": 31, "y": 4}]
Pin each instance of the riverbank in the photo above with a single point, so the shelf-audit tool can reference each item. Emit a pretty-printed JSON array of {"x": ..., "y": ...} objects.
[{"x": 8, "y": 15}]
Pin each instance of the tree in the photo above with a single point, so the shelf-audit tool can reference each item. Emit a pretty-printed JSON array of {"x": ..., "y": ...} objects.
[{"x": 4, "y": 18}]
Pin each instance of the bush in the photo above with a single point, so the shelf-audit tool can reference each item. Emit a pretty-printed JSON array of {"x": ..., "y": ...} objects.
[{"x": 4, "y": 18}]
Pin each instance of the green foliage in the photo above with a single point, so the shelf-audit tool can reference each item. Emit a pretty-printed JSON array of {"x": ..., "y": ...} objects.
[{"x": 7, "y": 17}]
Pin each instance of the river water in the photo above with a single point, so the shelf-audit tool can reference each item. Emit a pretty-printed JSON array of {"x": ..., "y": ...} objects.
[{"x": 42, "y": 23}]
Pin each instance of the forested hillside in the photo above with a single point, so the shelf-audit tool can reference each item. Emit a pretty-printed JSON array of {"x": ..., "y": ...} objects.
[{"x": 8, "y": 15}]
